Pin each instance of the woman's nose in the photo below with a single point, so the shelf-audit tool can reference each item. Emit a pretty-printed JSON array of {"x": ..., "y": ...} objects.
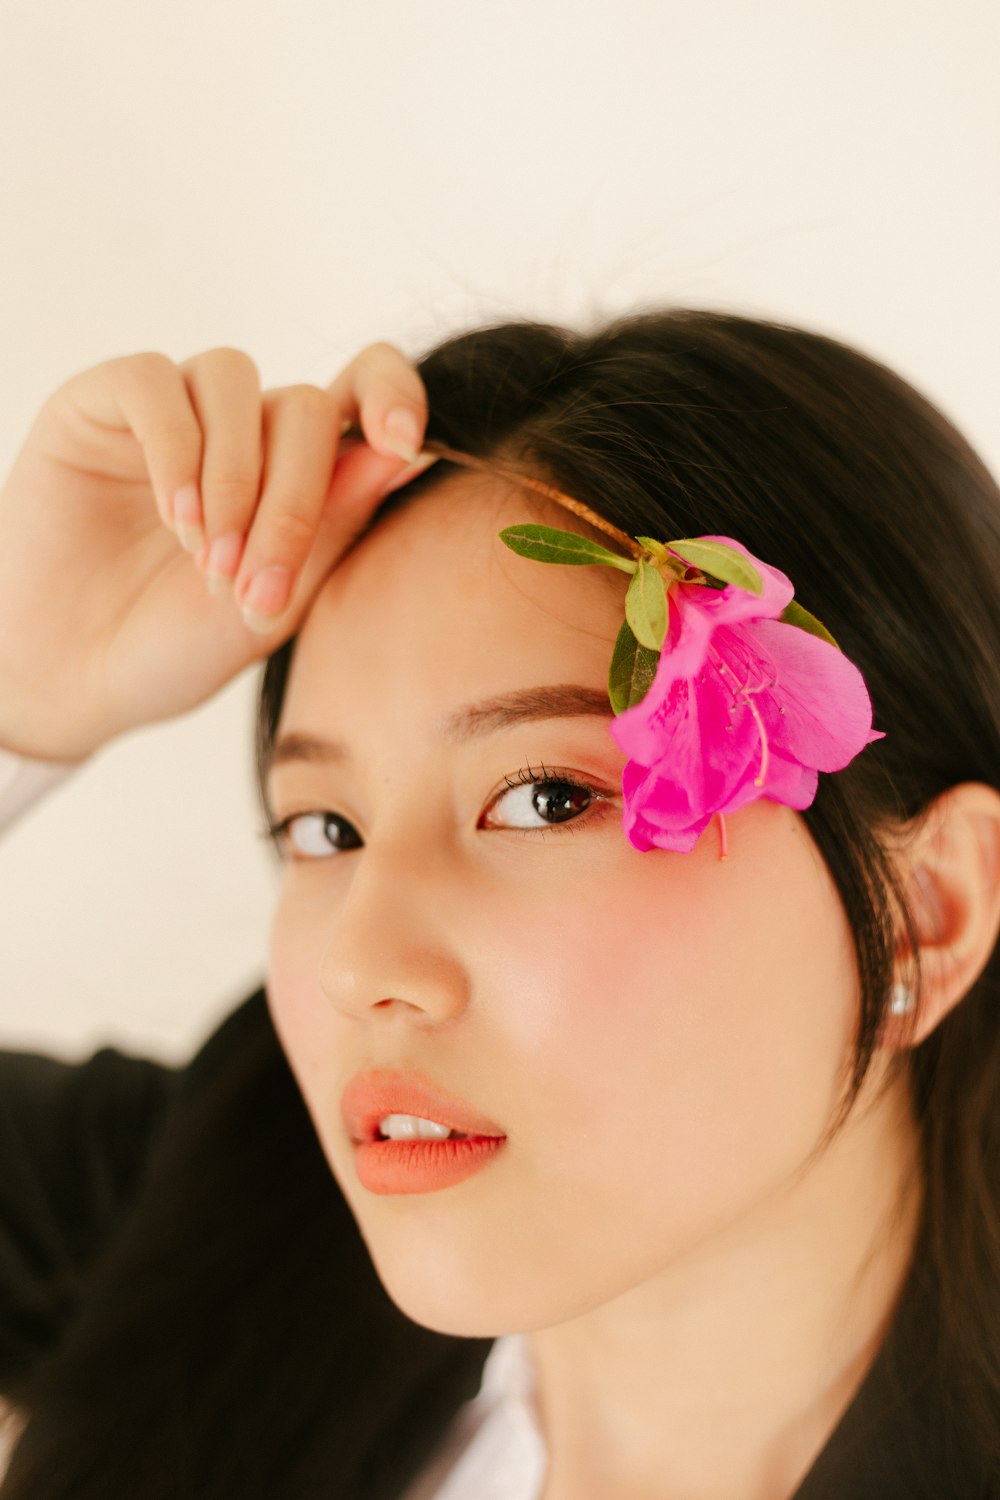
[{"x": 390, "y": 947}]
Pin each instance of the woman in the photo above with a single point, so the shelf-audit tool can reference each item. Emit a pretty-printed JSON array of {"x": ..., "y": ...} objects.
[{"x": 727, "y": 1219}]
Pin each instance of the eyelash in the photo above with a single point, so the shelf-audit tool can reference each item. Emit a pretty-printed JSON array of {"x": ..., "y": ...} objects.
[{"x": 528, "y": 776}]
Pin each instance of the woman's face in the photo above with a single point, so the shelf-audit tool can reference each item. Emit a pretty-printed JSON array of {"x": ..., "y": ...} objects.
[{"x": 660, "y": 1036}]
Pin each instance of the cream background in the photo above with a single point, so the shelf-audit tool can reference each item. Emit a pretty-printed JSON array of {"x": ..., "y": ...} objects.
[{"x": 300, "y": 179}]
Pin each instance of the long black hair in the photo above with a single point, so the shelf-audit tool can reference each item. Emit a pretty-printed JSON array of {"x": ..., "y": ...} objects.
[{"x": 235, "y": 1340}]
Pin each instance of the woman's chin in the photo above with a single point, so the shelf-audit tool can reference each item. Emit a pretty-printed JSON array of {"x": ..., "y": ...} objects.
[{"x": 443, "y": 1298}]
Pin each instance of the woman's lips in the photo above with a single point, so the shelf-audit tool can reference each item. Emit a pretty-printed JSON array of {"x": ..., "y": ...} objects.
[
  {"x": 370, "y": 1096},
  {"x": 422, "y": 1166},
  {"x": 414, "y": 1166}
]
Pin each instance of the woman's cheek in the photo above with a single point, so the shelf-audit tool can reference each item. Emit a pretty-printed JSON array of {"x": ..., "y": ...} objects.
[{"x": 585, "y": 1009}]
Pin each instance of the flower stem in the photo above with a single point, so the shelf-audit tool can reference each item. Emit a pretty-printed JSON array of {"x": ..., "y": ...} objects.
[{"x": 501, "y": 471}]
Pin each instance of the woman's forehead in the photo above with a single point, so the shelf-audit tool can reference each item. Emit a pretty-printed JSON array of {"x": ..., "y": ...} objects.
[{"x": 432, "y": 590}]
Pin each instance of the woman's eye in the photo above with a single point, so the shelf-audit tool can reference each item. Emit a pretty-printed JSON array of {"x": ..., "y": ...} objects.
[
  {"x": 533, "y": 801},
  {"x": 315, "y": 829},
  {"x": 540, "y": 801}
]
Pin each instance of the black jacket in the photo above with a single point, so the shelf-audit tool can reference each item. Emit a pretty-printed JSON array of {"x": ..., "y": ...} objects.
[{"x": 182, "y": 1282}]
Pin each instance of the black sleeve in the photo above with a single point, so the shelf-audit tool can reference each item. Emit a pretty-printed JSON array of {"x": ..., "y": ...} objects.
[{"x": 73, "y": 1141}]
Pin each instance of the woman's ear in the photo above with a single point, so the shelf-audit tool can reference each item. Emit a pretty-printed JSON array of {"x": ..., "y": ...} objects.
[{"x": 952, "y": 872}]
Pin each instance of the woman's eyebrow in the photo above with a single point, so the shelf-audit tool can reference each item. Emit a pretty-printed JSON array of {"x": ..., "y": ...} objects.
[{"x": 561, "y": 701}]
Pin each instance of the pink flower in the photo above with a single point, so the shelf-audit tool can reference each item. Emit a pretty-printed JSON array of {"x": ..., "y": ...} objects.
[{"x": 742, "y": 706}]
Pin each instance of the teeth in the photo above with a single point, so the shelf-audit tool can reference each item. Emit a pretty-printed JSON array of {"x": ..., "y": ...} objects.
[{"x": 414, "y": 1128}]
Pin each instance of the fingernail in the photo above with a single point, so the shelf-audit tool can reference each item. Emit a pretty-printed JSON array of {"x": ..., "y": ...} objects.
[
  {"x": 191, "y": 538},
  {"x": 424, "y": 462},
  {"x": 402, "y": 433},
  {"x": 224, "y": 555},
  {"x": 262, "y": 624},
  {"x": 187, "y": 506},
  {"x": 266, "y": 597}
]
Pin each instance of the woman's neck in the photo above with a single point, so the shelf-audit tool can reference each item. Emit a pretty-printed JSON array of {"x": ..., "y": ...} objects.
[{"x": 723, "y": 1377}]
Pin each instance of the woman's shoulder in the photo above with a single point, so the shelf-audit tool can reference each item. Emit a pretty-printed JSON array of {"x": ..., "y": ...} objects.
[{"x": 245, "y": 1027}]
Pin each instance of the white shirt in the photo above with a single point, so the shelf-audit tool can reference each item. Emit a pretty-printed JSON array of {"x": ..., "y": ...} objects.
[
  {"x": 494, "y": 1448},
  {"x": 23, "y": 781}
]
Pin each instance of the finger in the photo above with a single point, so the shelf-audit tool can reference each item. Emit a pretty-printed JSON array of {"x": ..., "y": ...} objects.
[
  {"x": 360, "y": 474},
  {"x": 381, "y": 392},
  {"x": 301, "y": 429},
  {"x": 224, "y": 386},
  {"x": 146, "y": 394}
]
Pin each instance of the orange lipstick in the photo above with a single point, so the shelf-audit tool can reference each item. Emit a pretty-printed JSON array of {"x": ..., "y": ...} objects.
[{"x": 414, "y": 1166}]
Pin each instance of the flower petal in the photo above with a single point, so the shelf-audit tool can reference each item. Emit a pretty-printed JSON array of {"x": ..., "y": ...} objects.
[
  {"x": 742, "y": 705},
  {"x": 726, "y": 606},
  {"x": 818, "y": 712},
  {"x": 696, "y": 728},
  {"x": 679, "y": 835}
]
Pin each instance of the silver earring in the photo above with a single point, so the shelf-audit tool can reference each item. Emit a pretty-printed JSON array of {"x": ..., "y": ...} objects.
[{"x": 902, "y": 999}]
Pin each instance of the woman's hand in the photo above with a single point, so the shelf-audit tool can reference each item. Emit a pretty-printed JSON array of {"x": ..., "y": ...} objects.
[{"x": 106, "y": 622}]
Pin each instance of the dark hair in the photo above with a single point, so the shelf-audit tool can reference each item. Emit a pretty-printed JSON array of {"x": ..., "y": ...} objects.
[{"x": 827, "y": 465}]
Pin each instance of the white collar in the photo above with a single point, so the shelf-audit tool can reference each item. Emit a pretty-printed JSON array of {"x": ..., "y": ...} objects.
[
  {"x": 496, "y": 1450},
  {"x": 509, "y": 1374}
]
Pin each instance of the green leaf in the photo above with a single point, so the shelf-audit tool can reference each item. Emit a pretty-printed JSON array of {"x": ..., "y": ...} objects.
[
  {"x": 658, "y": 549},
  {"x": 721, "y": 561},
  {"x": 544, "y": 544},
  {"x": 632, "y": 670},
  {"x": 646, "y": 607},
  {"x": 794, "y": 614}
]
